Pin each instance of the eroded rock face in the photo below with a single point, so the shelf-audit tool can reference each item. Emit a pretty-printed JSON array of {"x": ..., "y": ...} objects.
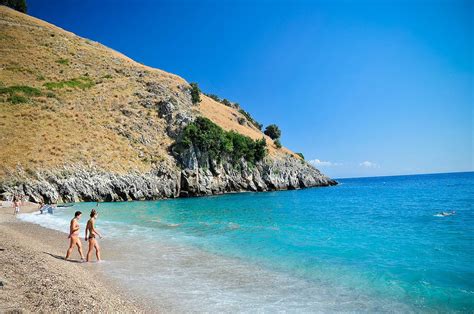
[
  {"x": 199, "y": 176},
  {"x": 89, "y": 184},
  {"x": 203, "y": 176},
  {"x": 176, "y": 109}
]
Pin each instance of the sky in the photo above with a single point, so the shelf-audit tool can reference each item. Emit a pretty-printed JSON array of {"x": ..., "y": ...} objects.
[{"x": 361, "y": 88}]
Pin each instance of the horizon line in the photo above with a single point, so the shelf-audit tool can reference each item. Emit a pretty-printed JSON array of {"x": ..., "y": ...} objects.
[{"x": 405, "y": 175}]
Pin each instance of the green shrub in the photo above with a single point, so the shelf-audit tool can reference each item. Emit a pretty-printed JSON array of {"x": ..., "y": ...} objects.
[
  {"x": 195, "y": 91},
  {"x": 260, "y": 149},
  {"x": 19, "y": 5},
  {"x": 301, "y": 155},
  {"x": 210, "y": 138},
  {"x": 17, "y": 99},
  {"x": 226, "y": 102},
  {"x": 82, "y": 82},
  {"x": 241, "y": 120},
  {"x": 19, "y": 94},
  {"x": 107, "y": 76},
  {"x": 273, "y": 131},
  {"x": 277, "y": 143},
  {"x": 63, "y": 61},
  {"x": 214, "y": 96},
  {"x": 26, "y": 90},
  {"x": 250, "y": 119}
]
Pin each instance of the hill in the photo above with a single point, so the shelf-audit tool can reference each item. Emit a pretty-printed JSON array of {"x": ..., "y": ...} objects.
[{"x": 80, "y": 121}]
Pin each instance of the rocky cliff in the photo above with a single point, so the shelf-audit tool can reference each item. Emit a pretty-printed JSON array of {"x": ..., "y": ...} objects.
[
  {"x": 80, "y": 183},
  {"x": 81, "y": 122}
]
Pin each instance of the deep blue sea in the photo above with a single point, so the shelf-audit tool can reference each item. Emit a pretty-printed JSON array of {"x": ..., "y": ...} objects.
[{"x": 366, "y": 245}]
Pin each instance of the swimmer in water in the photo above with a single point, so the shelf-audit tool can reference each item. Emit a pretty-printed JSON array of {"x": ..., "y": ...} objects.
[
  {"x": 445, "y": 214},
  {"x": 93, "y": 232}
]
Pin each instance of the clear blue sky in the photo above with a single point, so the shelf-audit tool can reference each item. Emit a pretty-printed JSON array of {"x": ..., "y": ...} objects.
[{"x": 362, "y": 87}]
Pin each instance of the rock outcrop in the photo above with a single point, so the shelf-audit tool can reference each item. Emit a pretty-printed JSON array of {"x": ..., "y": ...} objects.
[
  {"x": 198, "y": 178},
  {"x": 204, "y": 176}
]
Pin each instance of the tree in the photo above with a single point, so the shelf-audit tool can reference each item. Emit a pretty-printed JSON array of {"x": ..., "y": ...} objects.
[
  {"x": 195, "y": 93},
  {"x": 250, "y": 118},
  {"x": 301, "y": 155},
  {"x": 19, "y": 5},
  {"x": 277, "y": 143},
  {"x": 210, "y": 138},
  {"x": 226, "y": 102},
  {"x": 214, "y": 96},
  {"x": 273, "y": 131},
  {"x": 260, "y": 149}
]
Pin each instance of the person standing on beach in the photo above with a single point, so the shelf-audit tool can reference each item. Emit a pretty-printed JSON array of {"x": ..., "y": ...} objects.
[
  {"x": 93, "y": 232},
  {"x": 74, "y": 236},
  {"x": 16, "y": 204}
]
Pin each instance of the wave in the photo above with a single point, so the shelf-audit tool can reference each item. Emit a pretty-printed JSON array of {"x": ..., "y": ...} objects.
[{"x": 53, "y": 222}]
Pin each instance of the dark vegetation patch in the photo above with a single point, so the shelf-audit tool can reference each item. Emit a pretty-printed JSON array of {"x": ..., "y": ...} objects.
[
  {"x": 214, "y": 96},
  {"x": 17, "y": 99},
  {"x": 277, "y": 143},
  {"x": 251, "y": 119},
  {"x": 19, "y": 5},
  {"x": 210, "y": 138},
  {"x": 273, "y": 131},
  {"x": 195, "y": 91},
  {"x": 19, "y": 94},
  {"x": 27, "y": 90}
]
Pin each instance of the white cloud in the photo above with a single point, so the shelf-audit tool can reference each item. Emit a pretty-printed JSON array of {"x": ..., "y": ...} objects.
[
  {"x": 369, "y": 164},
  {"x": 321, "y": 163}
]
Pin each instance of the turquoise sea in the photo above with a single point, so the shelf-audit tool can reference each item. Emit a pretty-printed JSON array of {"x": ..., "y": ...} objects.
[{"x": 366, "y": 245}]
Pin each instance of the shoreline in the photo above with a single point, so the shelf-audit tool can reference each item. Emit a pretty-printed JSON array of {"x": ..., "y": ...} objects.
[{"x": 36, "y": 278}]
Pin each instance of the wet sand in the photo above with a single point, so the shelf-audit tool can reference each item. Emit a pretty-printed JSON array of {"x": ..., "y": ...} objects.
[{"x": 36, "y": 278}]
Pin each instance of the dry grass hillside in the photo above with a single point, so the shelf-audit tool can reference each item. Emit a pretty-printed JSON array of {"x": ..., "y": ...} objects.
[
  {"x": 65, "y": 99},
  {"x": 227, "y": 118}
]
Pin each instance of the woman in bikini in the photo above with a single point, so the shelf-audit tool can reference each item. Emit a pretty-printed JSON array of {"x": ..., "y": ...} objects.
[
  {"x": 16, "y": 204},
  {"x": 93, "y": 244},
  {"x": 74, "y": 236}
]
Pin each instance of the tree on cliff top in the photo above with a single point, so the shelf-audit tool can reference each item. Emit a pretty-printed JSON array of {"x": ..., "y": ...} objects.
[
  {"x": 273, "y": 131},
  {"x": 195, "y": 91},
  {"x": 19, "y": 5}
]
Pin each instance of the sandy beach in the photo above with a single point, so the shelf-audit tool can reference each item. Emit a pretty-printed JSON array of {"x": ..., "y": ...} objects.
[{"x": 36, "y": 278}]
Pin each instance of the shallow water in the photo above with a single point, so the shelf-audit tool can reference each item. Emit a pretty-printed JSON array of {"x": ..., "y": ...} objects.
[{"x": 370, "y": 244}]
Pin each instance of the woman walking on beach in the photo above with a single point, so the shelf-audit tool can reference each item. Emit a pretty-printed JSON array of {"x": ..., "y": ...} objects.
[
  {"x": 16, "y": 204},
  {"x": 93, "y": 244},
  {"x": 74, "y": 236}
]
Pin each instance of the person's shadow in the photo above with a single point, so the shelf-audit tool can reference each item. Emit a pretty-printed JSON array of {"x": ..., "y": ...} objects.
[{"x": 62, "y": 258}]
